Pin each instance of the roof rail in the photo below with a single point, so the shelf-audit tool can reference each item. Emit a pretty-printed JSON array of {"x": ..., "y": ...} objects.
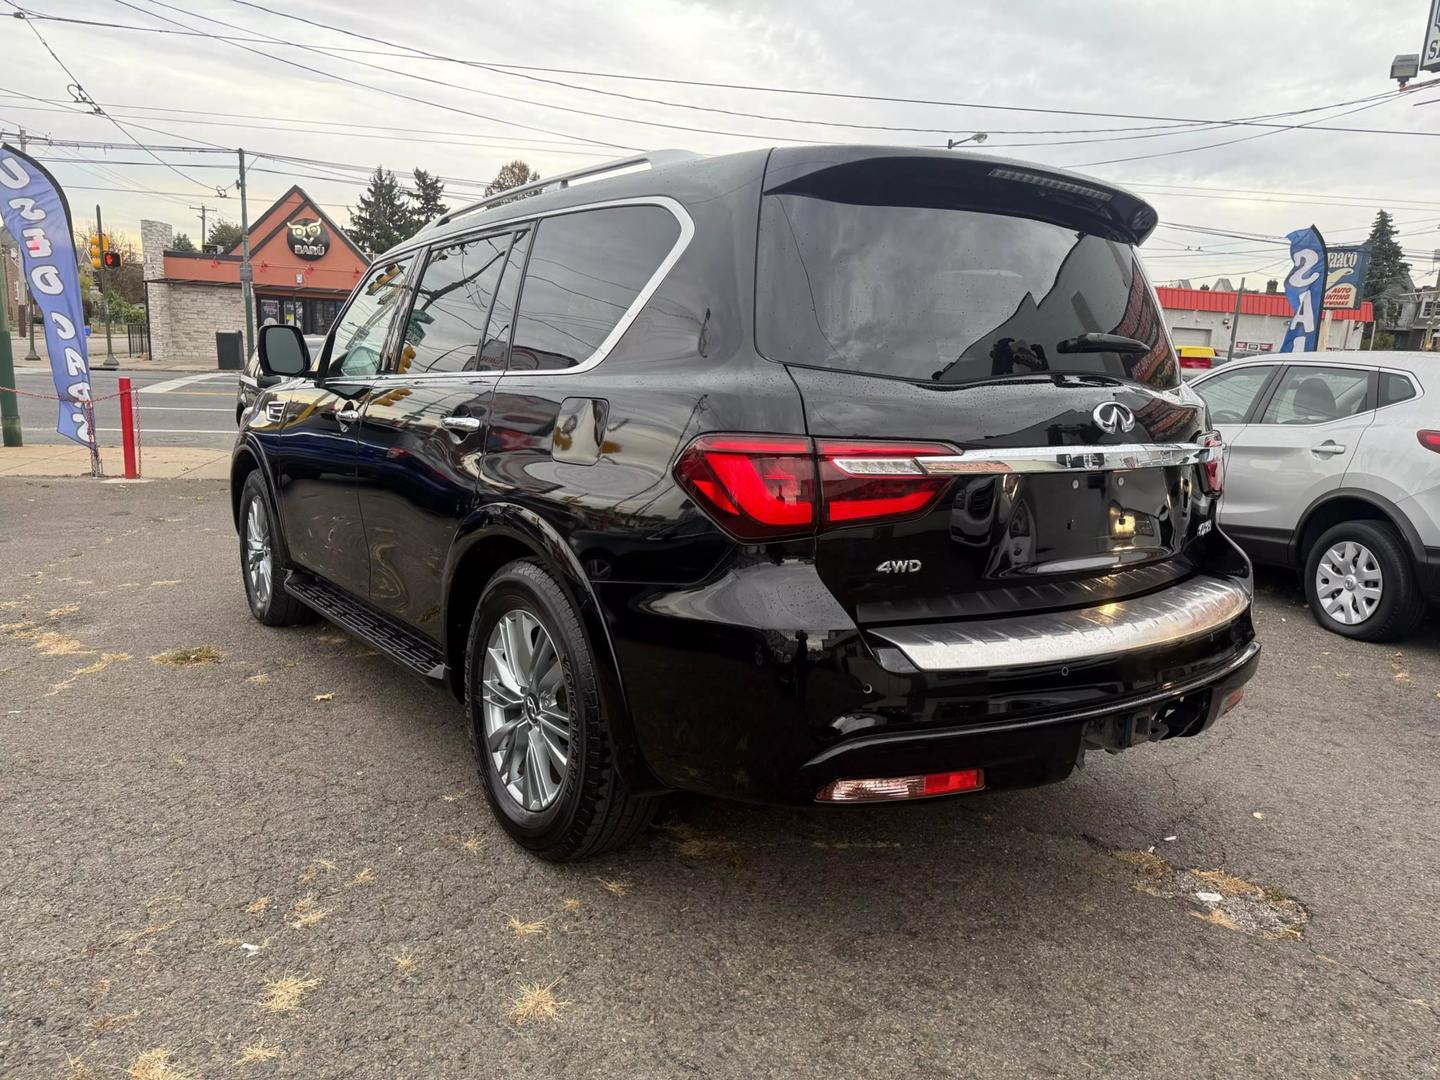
[{"x": 654, "y": 158}]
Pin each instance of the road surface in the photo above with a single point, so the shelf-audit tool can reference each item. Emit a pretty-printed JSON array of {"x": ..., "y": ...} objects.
[{"x": 176, "y": 408}]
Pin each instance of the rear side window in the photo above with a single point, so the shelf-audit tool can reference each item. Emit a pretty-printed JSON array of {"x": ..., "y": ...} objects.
[
  {"x": 447, "y": 320},
  {"x": 502, "y": 315},
  {"x": 1395, "y": 389},
  {"x": 947, "y": 295},
  {"x": 1230, "y": 394},
  {"x": 1313, "y": 395},
  {"x": 585, "y": 271}
]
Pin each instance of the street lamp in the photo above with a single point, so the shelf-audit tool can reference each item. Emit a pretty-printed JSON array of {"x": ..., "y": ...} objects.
[
  {"x": 1404, "y": 67},
  {"x": 978, "y": 137}
]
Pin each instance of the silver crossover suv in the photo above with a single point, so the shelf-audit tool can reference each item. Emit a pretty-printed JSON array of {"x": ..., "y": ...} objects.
[{"x": 1334, "y": 468}]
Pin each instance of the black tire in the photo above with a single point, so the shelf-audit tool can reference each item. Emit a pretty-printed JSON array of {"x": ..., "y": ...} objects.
[
  {"x": 273, "y": 606},
  {"x": 1400, "y": 608},
  {"x": 593, "y": 811}
]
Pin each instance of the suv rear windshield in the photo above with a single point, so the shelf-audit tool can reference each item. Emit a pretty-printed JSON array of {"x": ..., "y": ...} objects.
[{"x": 947, "y": 295}]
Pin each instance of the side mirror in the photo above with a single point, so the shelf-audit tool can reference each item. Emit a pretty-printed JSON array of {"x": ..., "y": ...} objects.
[{"x": 282, "y": 351}]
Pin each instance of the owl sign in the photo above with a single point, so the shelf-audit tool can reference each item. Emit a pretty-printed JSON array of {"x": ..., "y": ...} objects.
[{"x": 308, "y": 237}]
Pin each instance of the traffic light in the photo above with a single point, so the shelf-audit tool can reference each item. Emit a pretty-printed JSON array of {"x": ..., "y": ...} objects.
[
  {"x": 95, "y": 250},
  {"x": 111, "y": 259}
]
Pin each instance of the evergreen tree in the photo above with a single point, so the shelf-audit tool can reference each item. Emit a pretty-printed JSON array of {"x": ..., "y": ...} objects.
[
  {"x": 1387, "y": 266},
  {"x": 383, "y": 217},
  {"x": 428, "y": 199},
  {"x": 224, "y": 235},
  {"x": 183, "y": 242},
  {"x": 511, "y": 174}
]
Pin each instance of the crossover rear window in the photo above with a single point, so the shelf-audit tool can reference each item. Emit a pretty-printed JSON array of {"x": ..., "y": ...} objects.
[{"x": 948, "y": 295}]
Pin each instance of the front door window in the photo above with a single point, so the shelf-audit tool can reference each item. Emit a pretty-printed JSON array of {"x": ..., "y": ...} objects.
[{"x": 360, "y": 335}]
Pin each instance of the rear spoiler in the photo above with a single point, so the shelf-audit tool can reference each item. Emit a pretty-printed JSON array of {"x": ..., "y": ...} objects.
[{"x": 958, "y": 181}]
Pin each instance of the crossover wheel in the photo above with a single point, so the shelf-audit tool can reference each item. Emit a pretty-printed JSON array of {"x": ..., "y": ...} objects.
[
  {"x": 263, "y": 560},
  {"x": 538, "y": 722},
  {"x": 1360, "y": 582}
]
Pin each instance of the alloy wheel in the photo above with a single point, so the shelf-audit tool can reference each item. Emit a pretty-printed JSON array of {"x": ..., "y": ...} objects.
[
  {"x": 1349, "y": 583},
  {"x": 526, "y": 710},
  {"x": 257, "y": 552}
]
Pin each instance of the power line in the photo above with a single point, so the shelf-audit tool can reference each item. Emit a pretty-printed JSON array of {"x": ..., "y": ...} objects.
[{"x": 498, "y": 67}]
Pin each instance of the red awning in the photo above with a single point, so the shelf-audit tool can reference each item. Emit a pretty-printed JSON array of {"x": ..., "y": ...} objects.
[{"x": 1172, "y": 299}]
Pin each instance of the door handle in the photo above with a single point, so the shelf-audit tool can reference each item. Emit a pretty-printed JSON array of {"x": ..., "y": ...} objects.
[
  {"x": 463, "y": 425},
  {"x": 1328, "y": 447},
  {"x": 348, "y": 415}
]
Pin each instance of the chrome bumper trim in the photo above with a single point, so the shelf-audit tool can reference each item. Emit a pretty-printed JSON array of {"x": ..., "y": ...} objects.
[
  {"x": 1043, "y": 459},
  {"x": 1190, "y": 609}
]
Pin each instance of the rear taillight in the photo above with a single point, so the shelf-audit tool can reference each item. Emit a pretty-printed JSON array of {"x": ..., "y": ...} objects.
[
  {"x": 1196, "y": 363},
  {"x": 766, "y": 487},
  {"x": 1212, "y": 469},
  {"x": 869, "y": 481},
  {"x": 1429, "y": 439},
  {"x": 757, "y": 487}
]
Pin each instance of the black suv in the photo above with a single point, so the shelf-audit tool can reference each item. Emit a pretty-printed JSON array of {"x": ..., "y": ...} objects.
[{"x": 836, "y": 475}]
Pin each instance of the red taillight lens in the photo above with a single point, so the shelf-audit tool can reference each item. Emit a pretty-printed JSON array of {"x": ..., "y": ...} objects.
[
  {"x": 770, "y": 487},
  {"x": 758, "y": 487},
  {"x": 1201, "y": 363},
  {"x": 1212, "y": 470},
  {"x": 871, "y": 481},
  {"x": 1429, "y": 439}
]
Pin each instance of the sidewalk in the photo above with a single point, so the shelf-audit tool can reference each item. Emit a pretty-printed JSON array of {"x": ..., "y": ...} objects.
[
  {"x": 156, "y": 463},
  {"x": 128, "y": 364}
]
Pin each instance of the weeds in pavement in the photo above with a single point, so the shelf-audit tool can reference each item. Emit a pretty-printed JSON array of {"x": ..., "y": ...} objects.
[
  {"x": 258, "y": 907},
  {"x": 405, "y": 963},
  {"x": 307, "y": 912},
  {"x": 364, "y": 877},
  {"x": 61, "y": 612},
  {"x": 106, "y": 659},
  {"x": 259, "y": 1050},
  {"x": 156, "y": 1065},
  {"x": 105, "y": 1023},
  {"x": 537, "y": 1002},
  {"x": 283, "y": 995},
  {"x": 191, "y": 657},
  {"x": 76, "y": 1069},
  {"x": 619, "y": 888},
  {"x": 47, "y": 641},
  {"x": 472, "y": 845},
  {"x": 571, "y": 904}
]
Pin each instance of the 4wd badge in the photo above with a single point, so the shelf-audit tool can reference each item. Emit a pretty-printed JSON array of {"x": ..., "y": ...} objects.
[{"x": 898, "y": 566}]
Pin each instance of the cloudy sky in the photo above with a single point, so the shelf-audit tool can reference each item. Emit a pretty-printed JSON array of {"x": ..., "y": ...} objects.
[{"x": 319, "y": 91}]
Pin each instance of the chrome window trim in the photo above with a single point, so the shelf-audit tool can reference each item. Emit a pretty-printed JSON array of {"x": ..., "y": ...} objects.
[
  {"x": 1199, "y": 606},
  {"x": 682, "y": 242},
  {"x": 1062, "y": 459}
]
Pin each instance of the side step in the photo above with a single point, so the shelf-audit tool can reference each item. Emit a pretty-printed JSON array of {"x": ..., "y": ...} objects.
[{"x": 404, "y": 646}]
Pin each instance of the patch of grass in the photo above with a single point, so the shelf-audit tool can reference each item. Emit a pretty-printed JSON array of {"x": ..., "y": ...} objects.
[
  {"x": 76, "y": 1069},
  {"x": 405, "y": 962},
  {"x": 106, "y": 659},
  {"x": 259, "y": 1050},
  {"x": 364, "y": 877},
  {"x": 46, "y": 641},
  {"x": 537, "y": 1003},
  {"x": 472, "y": 845},
  {"x": 156, "y": 1065},
  {"x": 189, "y": 657},
  {"x": 619, "y": 888},
  {"x": 283, "y": 995},
  {"x": 105, "y": 1023},
  {"x": 1228, "y": 884},
  {"x": 1147, "y": 862},
  {"x": 523, "y": 929},
  {"x": 571, "y": 904},
  {"x": 1216, "y": 917},
  {"x": 260, "y": 678},
  {"x": 307, "y": 912},
  {"x": 258, "y": 907},
  {"x": 325, "y": 697},
  {"x": 151, "y": 931},
  {"x": 61, "y": 612}
]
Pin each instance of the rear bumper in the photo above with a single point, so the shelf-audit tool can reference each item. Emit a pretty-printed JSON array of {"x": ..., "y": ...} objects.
[{"x": 757, "y": 686}]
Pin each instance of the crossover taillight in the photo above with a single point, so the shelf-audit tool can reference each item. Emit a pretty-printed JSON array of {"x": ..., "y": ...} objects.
[
  {"x": 1429, "y": 439},
  {"x": 771, "y": 487},
  {"x": 1212, "y": 469}
]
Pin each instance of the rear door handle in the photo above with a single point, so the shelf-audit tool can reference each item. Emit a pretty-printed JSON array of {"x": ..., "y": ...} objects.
[
  {"x": 1328, "y": 447},
  {"x": 347, "y": 415},
  {"x": 461, "y": 424}
]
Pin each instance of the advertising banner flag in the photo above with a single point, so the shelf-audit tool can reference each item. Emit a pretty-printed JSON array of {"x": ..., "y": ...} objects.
[
  {"x": 1305, "y": 289},
  {"x": 1345, "y": 277},
  {"x": 36, "y": 214}
]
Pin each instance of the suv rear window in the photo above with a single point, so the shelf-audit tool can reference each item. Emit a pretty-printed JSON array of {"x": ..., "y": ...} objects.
[{"x": 947, "y": 295}]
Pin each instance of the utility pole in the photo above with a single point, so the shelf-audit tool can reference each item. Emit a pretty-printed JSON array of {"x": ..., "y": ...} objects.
[
  {"x": 204, "y": 210},
  {"x": 110, "y": 361},
  {"x": 1235, "y": 321},
  {"x": 9, "y": 408},
  {"x": 31, "y": 354},
  {"x": 247, "y": 275}
]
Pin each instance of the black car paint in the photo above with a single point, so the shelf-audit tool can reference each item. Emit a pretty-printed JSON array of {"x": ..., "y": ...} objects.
[{"x": 735, "y": 670}]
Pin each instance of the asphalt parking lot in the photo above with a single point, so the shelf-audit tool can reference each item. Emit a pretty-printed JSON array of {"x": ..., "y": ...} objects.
[{"x": 270, "y": 859}]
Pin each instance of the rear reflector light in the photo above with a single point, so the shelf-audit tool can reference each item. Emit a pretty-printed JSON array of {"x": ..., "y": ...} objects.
[
  {"x": 894, "y": 788},
  {"x": 1231, "y": 700},
  {"x": 1212, "y": 469},
  {"x": 1429, "y": 439},
  {"x": 764, "y": 487}
]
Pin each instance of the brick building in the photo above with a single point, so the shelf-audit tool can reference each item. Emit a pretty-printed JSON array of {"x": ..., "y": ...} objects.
[
  {"x": 1203, "y": 317},
  {"x": 304, "y": 268}
]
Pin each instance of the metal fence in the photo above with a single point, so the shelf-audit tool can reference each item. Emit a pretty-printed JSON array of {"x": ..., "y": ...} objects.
[{"x": 139, "y": 334}]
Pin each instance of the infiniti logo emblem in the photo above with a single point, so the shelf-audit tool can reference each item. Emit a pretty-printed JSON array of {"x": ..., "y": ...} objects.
[{"x": 1112, "y": 417}]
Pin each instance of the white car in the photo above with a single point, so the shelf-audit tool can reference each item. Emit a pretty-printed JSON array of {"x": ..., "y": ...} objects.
[{"x": 1333, "y": 468}]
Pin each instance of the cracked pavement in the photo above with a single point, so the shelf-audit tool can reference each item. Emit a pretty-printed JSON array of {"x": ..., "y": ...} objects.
[{"x": 179, "y": 839}]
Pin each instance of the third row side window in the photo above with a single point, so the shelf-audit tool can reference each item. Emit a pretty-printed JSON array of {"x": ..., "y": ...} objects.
[{"x": 585, "y": 271}]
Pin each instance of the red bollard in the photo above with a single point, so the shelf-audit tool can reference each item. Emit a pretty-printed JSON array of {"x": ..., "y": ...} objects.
[{"x": 127, "y": 430}]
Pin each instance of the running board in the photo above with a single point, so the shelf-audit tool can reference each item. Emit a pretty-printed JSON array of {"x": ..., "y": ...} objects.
[{"x": 403, "y": 646}]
